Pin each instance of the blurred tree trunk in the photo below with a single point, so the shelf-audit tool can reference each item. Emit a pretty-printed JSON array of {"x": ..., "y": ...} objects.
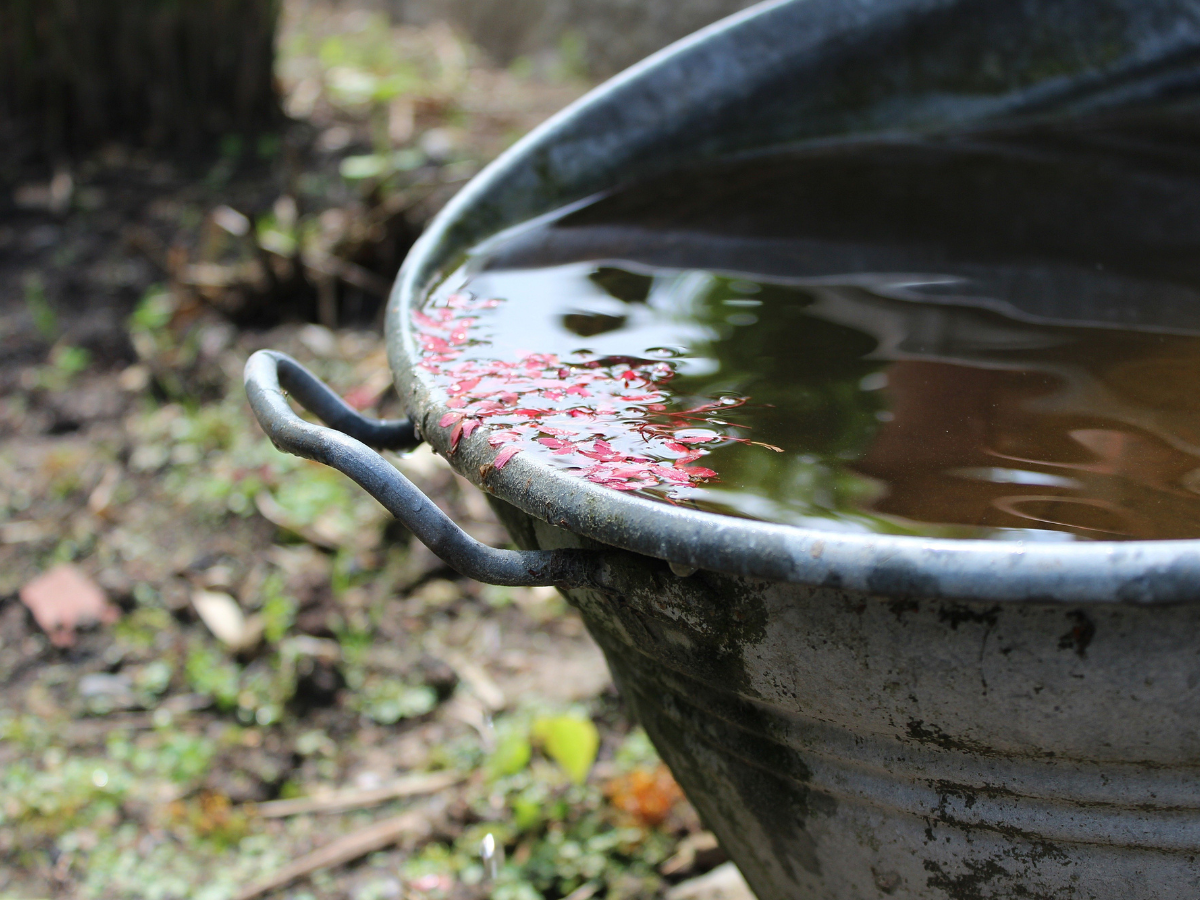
[{"x": 75, "y": 74}]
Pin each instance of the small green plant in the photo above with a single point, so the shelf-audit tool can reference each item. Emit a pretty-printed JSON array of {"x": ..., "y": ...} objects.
[
  {"x": 381, "y": 165},
  {"x": 45, "y": 320},
  {"x": 387, "y": 701},
  {"x": 572, "y": 57},
  {"x": 209, "y": 672},
  {"x": 278, "y": 608},
  {"x": 561, "y": 832},
  {"x": 149, "y": 323},
  {"x": 70, "y": 361},
  {"x": 64, "y": 792},
  {"x": 153, "y": 678},
  {"x": 65, "y": 363},
  {"x": 154, "y": 311},
  {"x": 512, "y": 753}
]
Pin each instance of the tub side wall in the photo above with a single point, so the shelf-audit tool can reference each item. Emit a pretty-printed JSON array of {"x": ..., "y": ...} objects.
[{"x": 845, "y": 744}]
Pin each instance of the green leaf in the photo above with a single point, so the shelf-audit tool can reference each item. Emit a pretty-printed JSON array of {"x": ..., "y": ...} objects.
[
  {"x": 154, "y": 311},
  {"x": 278, "y": 609},
  {"x": 357, "y": 167},
  {"x": 209, "y": 672},
  {"x": 511, "y": 754},
  {"x": 571, "y": 742},
  {"x": 527, "y": 813},
  {"x": 407, "y": 159}
]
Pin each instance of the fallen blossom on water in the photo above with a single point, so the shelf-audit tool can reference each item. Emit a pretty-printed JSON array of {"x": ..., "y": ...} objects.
[
  {"x": 505, "y": 455},
  {"x": 606, "y": 419}
]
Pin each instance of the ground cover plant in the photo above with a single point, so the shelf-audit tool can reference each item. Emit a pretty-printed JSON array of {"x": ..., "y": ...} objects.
[{"x": 227, "y": 673}]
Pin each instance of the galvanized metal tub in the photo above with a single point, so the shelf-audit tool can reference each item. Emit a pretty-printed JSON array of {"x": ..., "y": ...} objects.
[{"x": 854, "y": 716}]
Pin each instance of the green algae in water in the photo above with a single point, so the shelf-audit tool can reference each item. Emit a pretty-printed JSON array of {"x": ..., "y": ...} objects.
[{"x": 955, "y": 340}]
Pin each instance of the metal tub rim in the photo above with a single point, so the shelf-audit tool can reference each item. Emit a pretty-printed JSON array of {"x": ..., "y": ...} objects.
[{"x": 608, "y": 137}]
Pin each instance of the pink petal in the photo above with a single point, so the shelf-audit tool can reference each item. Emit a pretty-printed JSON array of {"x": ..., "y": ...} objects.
[
  {"x": 64, "y": 598},
  {"x": 421, "y": 319},
  {"x": 675, "y": 476},
  {"x": 505, "y": 455},
  {"x": 502, "y": 437}
]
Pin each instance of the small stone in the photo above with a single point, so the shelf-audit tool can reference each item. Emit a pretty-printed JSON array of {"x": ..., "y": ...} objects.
[
  {"x": 318, "y": 339},
  {"x": 104, "y": 692},
  {"x": 103, "y": 684},
  {"x": 225, "y": 619},
  {"x": 218, "y": 578},
  {"x": 134, "y": 379}
]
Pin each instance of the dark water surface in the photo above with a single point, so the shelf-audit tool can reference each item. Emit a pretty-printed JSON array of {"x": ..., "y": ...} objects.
[{"x": 994, "y": 339}]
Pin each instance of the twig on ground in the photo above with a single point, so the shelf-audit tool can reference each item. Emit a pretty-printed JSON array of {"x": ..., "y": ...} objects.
[
  {"x": 585, "y": 891},
  {"x": 351, "y": 273},
  {"x": 480, "y": 683},
  {"x": 684, "y": 858},
  {"x": 339, "y": 801},
  {"x": 414, "y": 825}
]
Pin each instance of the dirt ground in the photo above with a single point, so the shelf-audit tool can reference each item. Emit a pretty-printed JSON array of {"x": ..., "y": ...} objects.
[{"x": 275, "y": 692}]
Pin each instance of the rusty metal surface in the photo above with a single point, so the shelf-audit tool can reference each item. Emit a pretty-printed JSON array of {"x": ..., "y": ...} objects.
[
  {"x": 346, "y": 445},
  {"x": 847, "y": 745},
  {"x": 870, "y": 716}
]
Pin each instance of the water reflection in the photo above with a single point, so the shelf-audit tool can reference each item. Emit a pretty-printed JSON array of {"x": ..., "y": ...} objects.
[
  {"x": 897, "y": 415},
  {"x": 986, "y": 340}
]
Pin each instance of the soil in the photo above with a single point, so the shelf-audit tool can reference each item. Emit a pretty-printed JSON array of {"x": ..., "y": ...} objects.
[{"x": 278, "y": 637}]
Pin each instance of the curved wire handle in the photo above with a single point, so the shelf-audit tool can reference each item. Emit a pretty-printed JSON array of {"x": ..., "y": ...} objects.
[{"x": 346, "y": 446}]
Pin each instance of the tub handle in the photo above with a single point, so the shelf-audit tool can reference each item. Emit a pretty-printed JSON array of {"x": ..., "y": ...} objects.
[{"x": 346, "y": 445}]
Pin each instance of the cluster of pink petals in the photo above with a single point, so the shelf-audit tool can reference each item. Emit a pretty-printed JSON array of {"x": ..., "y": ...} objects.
[{"x": 604, "y": 419}]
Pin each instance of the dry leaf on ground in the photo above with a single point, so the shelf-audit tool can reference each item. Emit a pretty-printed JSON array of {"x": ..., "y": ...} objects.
[
  {"x": 647, "y": 794},
  {"x": 65, "y": 599}
]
